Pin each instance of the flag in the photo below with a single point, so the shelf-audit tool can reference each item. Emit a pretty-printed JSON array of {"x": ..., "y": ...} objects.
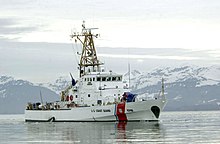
[{"x": 73, "y": 80}]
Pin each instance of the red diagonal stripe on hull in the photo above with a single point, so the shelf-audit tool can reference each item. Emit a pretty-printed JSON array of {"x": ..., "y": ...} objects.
[{"x": 120, "y": 112}]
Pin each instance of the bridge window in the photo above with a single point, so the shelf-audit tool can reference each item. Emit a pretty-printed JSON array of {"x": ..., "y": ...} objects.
[
  {"x": 113, "y": 78},
  {"x": 88, "y": 95},
  {"x": 99, "y": 102},
  {"x": 103, "y": 78},
  {"x": 108, "y": 78},
  {"x": 118, "y": 78},
  {"x": 98, "y": 78}
]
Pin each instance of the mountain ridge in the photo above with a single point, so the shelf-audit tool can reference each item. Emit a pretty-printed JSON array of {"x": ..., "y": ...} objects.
[
  {"x": 186, "y": 88},
  {"x": 15, "y": 94}
]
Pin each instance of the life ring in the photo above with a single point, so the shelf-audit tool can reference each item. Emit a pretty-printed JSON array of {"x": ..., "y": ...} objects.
[
  {"x": 71, "y": 98},
  {"x": 67, "y": 98}
]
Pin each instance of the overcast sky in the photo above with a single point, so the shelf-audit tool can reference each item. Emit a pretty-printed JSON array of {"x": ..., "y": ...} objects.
[{"x": 35, "y": 43}]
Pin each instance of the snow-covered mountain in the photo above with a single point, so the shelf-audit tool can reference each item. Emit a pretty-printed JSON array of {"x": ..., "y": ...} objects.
[
  {"x": 204, "y": 75},
  {"x": 133, "y": 74},
  {"x": 58, "y": 85},
  {"x": 15, "y": 94},
  {"x": 186, "y": 87}
]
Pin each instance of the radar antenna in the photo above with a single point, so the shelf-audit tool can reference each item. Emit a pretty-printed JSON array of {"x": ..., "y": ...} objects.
[{"x": 88, "y": 56}]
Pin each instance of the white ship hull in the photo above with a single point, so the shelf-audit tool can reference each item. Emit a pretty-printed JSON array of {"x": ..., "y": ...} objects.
[{"x": 134, "y": 111}]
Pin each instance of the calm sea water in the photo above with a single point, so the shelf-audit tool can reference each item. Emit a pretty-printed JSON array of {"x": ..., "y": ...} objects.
[{"x": 174, "y": 127}]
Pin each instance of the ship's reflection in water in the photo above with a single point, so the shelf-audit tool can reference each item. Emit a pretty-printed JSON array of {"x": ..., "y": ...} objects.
[
  {"x": 138, "y": 132},
  {"x": 95, "y": 132}
]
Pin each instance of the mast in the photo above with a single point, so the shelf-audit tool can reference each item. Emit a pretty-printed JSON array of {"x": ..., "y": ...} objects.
[
  {"x": 88, "y": 61},
  {"x": 162, "y": 87},
  {"x": 41, "y": 99},
  {"x": 129, "y": 76}
]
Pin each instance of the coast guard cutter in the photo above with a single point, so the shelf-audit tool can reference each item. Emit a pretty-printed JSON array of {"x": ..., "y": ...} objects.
[{"x": 97, "y": 95}]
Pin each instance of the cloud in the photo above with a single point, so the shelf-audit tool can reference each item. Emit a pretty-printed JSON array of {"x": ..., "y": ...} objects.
[
  {"x": 158, "y": 53},
  {"x": 45, "y": 61},
  {"x": 13, "y": 27},
  {"x": 168, "y": 57},
  {"x": 156, "y": 32}
]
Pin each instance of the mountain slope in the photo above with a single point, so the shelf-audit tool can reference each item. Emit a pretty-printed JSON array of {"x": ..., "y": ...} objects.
[
  {"x": 58, "y": 85},
  {"x": 14, "y": 95},
  {"x": 186, "y": 87}
]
